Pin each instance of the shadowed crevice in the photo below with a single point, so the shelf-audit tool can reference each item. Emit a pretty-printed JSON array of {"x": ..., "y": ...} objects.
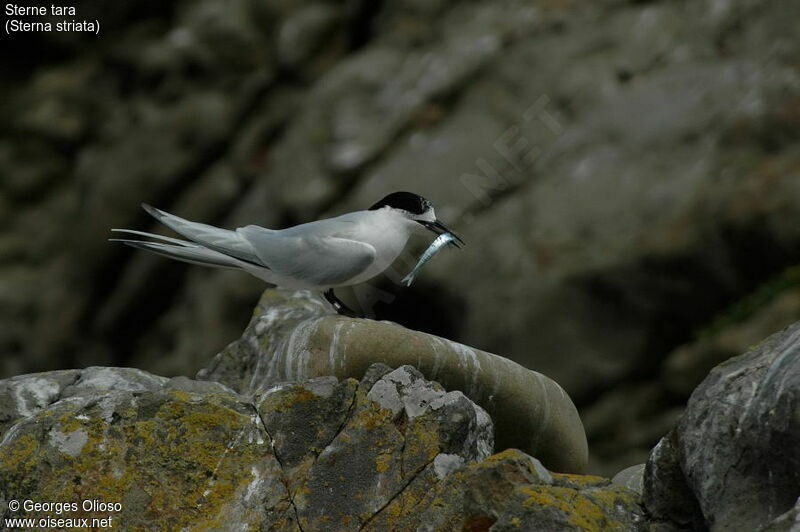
[{"x": 284, "y": 479}]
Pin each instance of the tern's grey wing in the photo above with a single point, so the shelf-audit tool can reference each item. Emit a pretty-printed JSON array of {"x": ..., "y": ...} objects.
[{"x": 317, "y": 260}]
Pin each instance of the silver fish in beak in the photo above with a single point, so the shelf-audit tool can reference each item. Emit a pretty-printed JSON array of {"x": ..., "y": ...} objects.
[{"x": 441, "y": 241}]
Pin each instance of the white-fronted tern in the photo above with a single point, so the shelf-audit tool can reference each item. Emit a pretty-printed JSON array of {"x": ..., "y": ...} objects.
[{"x": 321, "y": 255}]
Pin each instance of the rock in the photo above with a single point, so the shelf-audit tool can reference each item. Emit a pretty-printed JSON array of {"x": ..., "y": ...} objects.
[
  {"x": 391, "y": 452},
  {"x": 25, "y": 395},
  {"x": 631, "y": 477},
  {"x": 512, "y": 491},
  {"x": 172, "y": 458},
  {"x": 304, "y": 31},
  {"x": 788, "y": 522},
  {"x": 293, "y": 335},
  {"x": 735, "y": 454},
  {"x": 385, "y": 442},
  {"x": 665, "y": 493}
]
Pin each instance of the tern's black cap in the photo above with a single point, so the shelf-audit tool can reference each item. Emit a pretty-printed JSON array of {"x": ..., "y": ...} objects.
[{"x": 407, "y": 201}]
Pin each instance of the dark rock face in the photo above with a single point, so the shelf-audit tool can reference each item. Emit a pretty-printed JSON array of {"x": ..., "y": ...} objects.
[
  {"x": 620, "y": 170},
  {"x": 734, "y": 457},
  {"x": 393, "y": 451},
  {"x": 514, "y": 118}
]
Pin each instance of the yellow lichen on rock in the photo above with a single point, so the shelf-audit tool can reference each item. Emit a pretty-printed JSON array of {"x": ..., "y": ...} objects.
[
  {"x": 587, "y": 510},
  {"x": 20, "y": 454},
  {"x": 383, "y": 462},
  {"x": 185, "y": 455}
]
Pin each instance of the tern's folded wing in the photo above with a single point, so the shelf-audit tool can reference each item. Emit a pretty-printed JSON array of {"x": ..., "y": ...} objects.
[{"x": 318, "y": 260}]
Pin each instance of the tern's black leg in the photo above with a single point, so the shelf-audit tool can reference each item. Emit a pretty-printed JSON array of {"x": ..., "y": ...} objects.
[{"x": 340, "y": 307}]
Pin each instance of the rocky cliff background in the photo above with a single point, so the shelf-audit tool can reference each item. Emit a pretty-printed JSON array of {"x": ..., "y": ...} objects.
[{"x": 626, "y": 175}]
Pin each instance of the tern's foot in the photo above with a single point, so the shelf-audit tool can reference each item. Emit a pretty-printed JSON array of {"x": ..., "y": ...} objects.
[{"x": 340, "y": 307}]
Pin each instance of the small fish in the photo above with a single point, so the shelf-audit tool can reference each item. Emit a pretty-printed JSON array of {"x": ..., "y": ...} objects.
[{"x": 440, "y": 242}]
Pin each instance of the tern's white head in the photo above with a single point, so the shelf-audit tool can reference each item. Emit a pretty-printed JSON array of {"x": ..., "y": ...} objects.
[{"x": 417, "y": 210}]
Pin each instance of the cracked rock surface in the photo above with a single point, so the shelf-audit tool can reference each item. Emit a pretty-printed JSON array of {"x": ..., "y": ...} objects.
[
  {"x": 294, "y": 335},
  {"x": 733, "y": 460},
  {"x": 392, "y": 451}
]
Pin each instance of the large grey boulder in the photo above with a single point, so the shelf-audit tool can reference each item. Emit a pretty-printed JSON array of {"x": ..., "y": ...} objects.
[
  {"x": 391, "y": 452},
  {"x": 295, "y": 335},
  {"x": 733, "y": 461}
]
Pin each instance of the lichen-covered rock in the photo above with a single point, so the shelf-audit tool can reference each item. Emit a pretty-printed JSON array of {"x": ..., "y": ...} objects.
[
  {"x": 511, "y": 491},
  {"x": 172, "y": 458},
  {"x": 391, "y": 452},
  {"x": 294, "y": 335},
  {"x": 25, "y": 395},
  {"x": 387, "y": 440},
  {"x": 734, "y": 457}
]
